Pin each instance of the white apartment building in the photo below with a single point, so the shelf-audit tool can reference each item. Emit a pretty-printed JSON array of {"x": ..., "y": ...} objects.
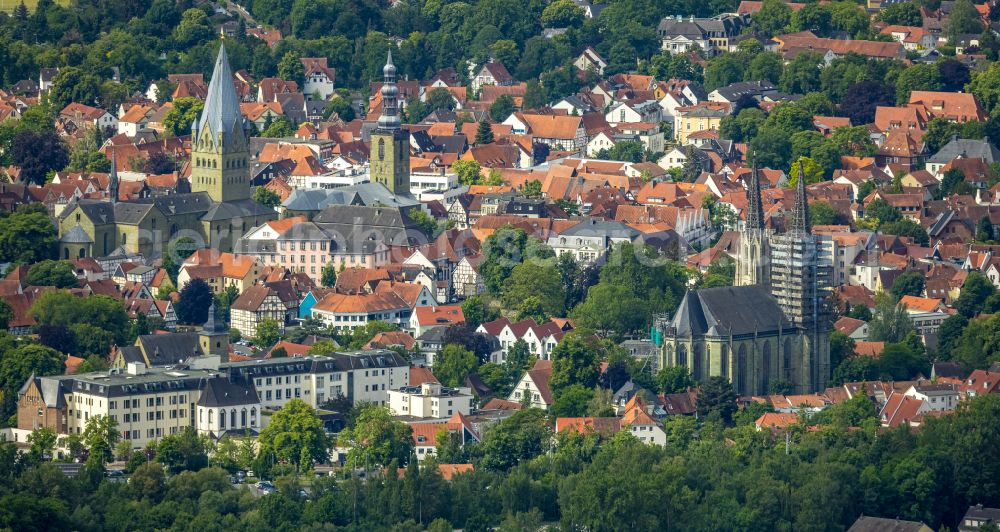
[
  {"x": 939, "y": 397},
  {"x": 430, "y": 400},
  {"x": 360, "y": 376},
  {"x": 149, "y": 403}
]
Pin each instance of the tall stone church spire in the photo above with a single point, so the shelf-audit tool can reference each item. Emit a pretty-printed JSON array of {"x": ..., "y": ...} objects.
[
  {"x": 755, "y": 207},
  {"x": 753, "y": 263},
  {"x": 801, "y": 282},
  {"x": 113, "y": 178},
  {"x": 219, "y": 147},
  {"x": 390, "y": 150},
  {"x": 800, "y": 213}
]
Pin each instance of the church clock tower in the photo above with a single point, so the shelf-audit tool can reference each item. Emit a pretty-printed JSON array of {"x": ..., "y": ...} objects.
[
  {"x": 390, "y": 149},
  {"x": 219, "y": 147}
]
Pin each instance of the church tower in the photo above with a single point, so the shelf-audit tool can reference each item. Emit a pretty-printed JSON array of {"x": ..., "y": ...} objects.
[
  {"x": 390, "y": 148},
  {"x": 213, "y": 338},
  {"x": 801, "y": 284},
  {"x": 219, "y": 147},
  {"x": 753, "y": 261}
]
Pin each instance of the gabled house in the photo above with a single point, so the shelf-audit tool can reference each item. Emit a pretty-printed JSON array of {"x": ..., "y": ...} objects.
[
  {"x": 590, "y": 60},
  {"x": 319, "y": 78},
  {"x": 533, "y": 388},
  {"x": 492, "y": 73},
  {"x": 256, "y": 304}
]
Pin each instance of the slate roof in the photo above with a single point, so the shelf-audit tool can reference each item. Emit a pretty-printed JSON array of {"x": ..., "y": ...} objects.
[
  {"x": 76, "y": 235},
  {"x": 878, "y": 524},
  {"x": 222, "y": 108},
  {"x": 222, "y": 391},
  {"x": 170, "y": 349},
  {"x": 968, "y": 148},
  {"x": 363, "y": 194},
  {"x": 735, "y": 310},
  {"x": 602, "y": 228}
]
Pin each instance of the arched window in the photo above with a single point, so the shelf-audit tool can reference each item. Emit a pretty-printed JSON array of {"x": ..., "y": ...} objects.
[
  {"x": 696, "y": 362},
  {"x": 787, "y": 357},
  {"x": 211, "y": 416},
  {"x": 232, "y": 418},
  {"x": 222, "y": 419},
  {"x": 724, "y": 361},
  {"x": 253, "y": 417},
  {"x": 682, "y": 355},
  {"x": 381, "y": 149},
  {"x": 83, "y": 253},
  {"x": 741, "y": 370},
  {"x": 66, "y": 253},
  {"x": 243, "y": 418},
  {"x": 766, "y": 367}
]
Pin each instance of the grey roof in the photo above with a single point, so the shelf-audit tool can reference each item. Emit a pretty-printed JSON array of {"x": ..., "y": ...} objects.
[
  {"x": 76, "y": 235},
  {"x": 304, "y": 231},
  {"x": 736, "y": 310},
  {"x": 222, "y": 108},
  {"x": 967, "y": 148},
  {"x": 223, "y": 391},
  {"x": 434, "y": 335},
  {"x": 371, "y": 194},
  {"x": 131, "y": 353},
  {"x": 235, "y": 209},
  {"x": 170, "y": 349},
  {"x": 756, "y": 89},
  {"x": 451, "y": 143},
  {"x": 52, "y": 395},
  {"x": 878, "y": 524},
  {"x": 601, "y": 228},
  {"x": 318, "y": 364},
  {"x": 363, "y": 215}
]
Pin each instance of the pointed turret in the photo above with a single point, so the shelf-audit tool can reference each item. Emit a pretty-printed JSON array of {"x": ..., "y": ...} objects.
[
  {"x": 800, "y": 212},
  {"x": 113, "y": 178},
  {"x": 755, "y": 207},
  {"x": 211, "y": 325},
  {"x": 222, "y": 108},
  {"x": 219, "y": 148}
]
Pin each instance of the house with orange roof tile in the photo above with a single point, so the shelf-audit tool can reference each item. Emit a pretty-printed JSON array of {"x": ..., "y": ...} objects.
[
  {"x": 425, "y": 434},
  {"x": 869, "y": 349},
  {"x": 980, "y": 382},
  {"x": 421, "y": 374},
  {"x": 927, "y": 315},
  {"x": 853, "y": 328},
  {"x": 901, "y": 409},
  {"x": 638, "y": 422},
  {"x": 558, "y": 132},
  {"x": 269, "y": 36},
  {"x": 428, "y": 317},
  {"x": 261, "y": 114},
  {"x": 952, "y": 106},
  {"x": 605, "y": 426},
  {"x": 220, "y": 270},
  {"x": 911, "y": 37},
  {"x": 135, "y": 119},
  {"x": 790, "y": 45},
  {"x": 79, "y": 116},
  {"x": 776, "y": 421},
  {"x": 450, "y": 471},
  {"x": 347, "y": 312}
]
